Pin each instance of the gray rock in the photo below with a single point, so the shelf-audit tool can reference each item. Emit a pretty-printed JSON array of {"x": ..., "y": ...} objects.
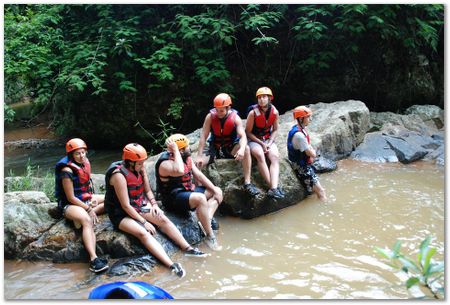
[
  {"x": 25, "y": 219},
  {"x": 375, "y": 148},
  {"x": 406, "y": 151},
  {"x": 431, "y": 115}
]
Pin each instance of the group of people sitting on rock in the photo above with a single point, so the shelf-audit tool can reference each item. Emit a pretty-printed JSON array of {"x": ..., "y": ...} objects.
[{"x": 131, "y": 204}]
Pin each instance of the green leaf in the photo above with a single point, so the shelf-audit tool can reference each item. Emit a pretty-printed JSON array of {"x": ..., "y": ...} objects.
[
  {"x": 383, "y": 252},
  {"x": 408, "y": 263},
  {"x": 411, "y": 282}
]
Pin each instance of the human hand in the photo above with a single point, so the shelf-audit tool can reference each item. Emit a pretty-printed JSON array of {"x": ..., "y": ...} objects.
[
  {"x": 172, "y": 147},
  {"x": 149, "y": 227},
  {"x": 218, "y": 195},
  {"x": 93, "y": 216},
  {"x": 93, "y": 203},
  {"x": 199, "y": 160},
  {"x": 239, "y": 154},
  {"x": 156, "y": 211}
]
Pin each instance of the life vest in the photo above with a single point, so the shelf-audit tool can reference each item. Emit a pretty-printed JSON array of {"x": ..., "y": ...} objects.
[
  {"x": 81, "y": 180},
  {"x": 184, "y": 182},
  {"x": 135, "y": 185},
  {"x": 262, "y": 127},
  {"x": 223, "y": 130},
  {"x": 295, "y": 155}
]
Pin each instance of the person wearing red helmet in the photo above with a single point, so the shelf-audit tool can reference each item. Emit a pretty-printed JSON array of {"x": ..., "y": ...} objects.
[
  {"x": 228, "y": 139},
  {"x": 132, "y": 207},
  {"x": 302, "y": 154},
  {"x": 175, "y": 174},
  {"x": 262, "y": 129},
  {"x": 76, "y": 201}
]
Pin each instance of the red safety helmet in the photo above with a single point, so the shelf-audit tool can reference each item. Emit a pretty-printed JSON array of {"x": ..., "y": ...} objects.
[
  {"x": 134, "y": 152},
  {"x": 301, "y": 112},
  {"x": 222, "y": 100},
  {"x": 74, "y": 144},
  {"x": 264, "y": 90}
]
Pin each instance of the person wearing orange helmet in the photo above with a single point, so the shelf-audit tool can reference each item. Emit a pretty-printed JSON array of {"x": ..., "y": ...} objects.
[
  {"x": 76, "y": 201},
  {"x": 132, "y": 207},
  {"x": 262, "y": 130},
  {"x": 302, "y": 154},
  {"x": 228, "y": 139},
  {"x": 175, "y": 173}
]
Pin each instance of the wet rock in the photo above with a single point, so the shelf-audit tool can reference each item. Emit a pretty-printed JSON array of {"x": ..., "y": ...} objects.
[
  {"x": 25, "y": 219},
  {"x": 131, "y": 266},
  {"x": 31, "y": 233},
  {"x": 324, "y": 165},
  {"x": 374, "y": 148},
  {"x": 406, "y": 151},
  {"x": 31, "y": 144}
]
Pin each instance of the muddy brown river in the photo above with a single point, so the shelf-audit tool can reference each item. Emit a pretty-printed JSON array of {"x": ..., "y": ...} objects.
[{"x": 312, "y": 250}]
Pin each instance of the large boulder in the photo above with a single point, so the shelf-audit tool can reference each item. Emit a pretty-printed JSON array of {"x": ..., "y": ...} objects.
[
  {"x": 31, "y": 233},
  {"x": 404, "y": 137},
  {"x": 25, "y": 216}
]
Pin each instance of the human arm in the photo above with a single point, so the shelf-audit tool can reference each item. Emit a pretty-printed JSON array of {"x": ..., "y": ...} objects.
[
  {"x": 202, "y": 141},
  {"x": 175, "y": 167},
  {"x": 275, "y": 128},
  {"x": 242, "y": 139},
  {"x": 203, "y": 180},
  {"x": 249, "y": 130},
  {"x": 154, "y": 208}
]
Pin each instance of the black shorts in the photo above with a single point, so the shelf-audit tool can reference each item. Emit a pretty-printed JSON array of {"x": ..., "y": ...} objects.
[
  {"x": 178, "y": 200},
  {"x": 223, "y": 152}
]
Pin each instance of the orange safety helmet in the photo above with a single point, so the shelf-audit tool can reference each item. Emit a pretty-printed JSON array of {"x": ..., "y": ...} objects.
[
  {"x": 264, "y": 90},
  {"x": 179, "y": 139},
  {"x": 74, "y": 144},
  {"x": 134, "y": 152},
  {"x": 301, "y": 112},
  {"x": 222, "y": 100}
]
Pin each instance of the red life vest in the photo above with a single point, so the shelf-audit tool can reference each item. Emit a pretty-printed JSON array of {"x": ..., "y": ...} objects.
[
  {"x": 135, "y": 186},
  {"x": 223, "y": 132},
  {"x": 82, "y": 182},
  {"x": 262, "y": 127}
]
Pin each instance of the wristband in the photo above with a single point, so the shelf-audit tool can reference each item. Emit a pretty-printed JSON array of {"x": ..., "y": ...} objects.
[
  {"x": 144, "y": 222},
  {"x": 89, "y": 210}
]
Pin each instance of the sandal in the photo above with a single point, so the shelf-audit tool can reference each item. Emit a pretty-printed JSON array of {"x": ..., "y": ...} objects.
[{"x": 251, "y": 189}]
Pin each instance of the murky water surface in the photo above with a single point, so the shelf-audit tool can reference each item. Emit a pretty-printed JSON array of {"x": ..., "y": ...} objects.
[{"x": 309, "y": 251}]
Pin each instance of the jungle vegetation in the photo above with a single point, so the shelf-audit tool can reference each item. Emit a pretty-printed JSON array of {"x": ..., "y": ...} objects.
[{"x": 118, "y": 73}]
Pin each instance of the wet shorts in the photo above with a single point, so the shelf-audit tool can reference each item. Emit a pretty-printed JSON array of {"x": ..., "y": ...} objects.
[
  {"x": 178, "y": 200},
  {"x": 307, "y": 176}
]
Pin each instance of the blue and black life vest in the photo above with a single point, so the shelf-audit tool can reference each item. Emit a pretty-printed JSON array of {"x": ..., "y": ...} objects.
[
  {"x": 184, "y": 182},
  {"x": 135, "y": 186},
  {"x": 263, "y": 124},
  {"x": 81, "y": 179},
  {"x": 295, "y": 155},
  {"x": 223, "y": 131}
]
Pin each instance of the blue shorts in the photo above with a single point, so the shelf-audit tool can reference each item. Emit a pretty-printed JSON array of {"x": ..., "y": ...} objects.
[{"x": 178, "y": 200}]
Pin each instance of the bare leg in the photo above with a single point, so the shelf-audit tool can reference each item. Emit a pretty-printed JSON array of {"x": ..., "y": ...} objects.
[
  {"x": 76, "y": 213},
  {"x": 130, "y": 226},
  {"x": 274, "y": 157},
  {"x": 203, "y": 210},
  {"x": 258, "y": 153},
  {"x": 320, "y": 191},
  {"x": 169, "y": 228}
]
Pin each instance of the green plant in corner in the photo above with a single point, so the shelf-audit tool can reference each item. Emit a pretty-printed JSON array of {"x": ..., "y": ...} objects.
[{"x": 424, "y": 272}]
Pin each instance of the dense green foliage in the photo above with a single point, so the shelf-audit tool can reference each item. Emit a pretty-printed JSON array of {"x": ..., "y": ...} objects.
[
  {"x": 111, "y": 73},
  {"x": 424, "y": 271}
]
